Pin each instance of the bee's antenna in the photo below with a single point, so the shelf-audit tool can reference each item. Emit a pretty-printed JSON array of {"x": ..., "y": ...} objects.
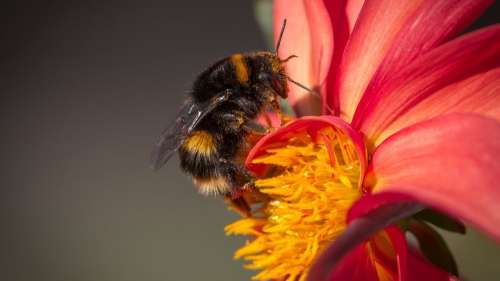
[
  {"x": 281, "y": 36},
  {"x": 313, "y": 92},
  {"x": 302, "y": 86},
  {"x": 288, "y": 58}
]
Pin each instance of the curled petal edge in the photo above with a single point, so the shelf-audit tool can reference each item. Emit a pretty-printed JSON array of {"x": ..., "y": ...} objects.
[{"x": 309, "y": 124}]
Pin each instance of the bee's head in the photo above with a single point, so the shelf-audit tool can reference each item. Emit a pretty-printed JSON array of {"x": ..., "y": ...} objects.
[{"x": 273, "y": 74}]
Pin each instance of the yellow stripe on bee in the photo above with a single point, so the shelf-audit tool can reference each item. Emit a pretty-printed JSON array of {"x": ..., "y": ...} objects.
[
  {"x": 200, "y": 142},
  {"x": 240, "y": 67}
]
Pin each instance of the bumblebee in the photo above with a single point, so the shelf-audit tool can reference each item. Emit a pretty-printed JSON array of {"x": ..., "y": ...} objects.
[{"x": 212, "y": 128}]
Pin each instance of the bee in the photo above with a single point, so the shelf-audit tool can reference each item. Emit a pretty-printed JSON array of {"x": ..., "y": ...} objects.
[{"x": 212, "y": 126}]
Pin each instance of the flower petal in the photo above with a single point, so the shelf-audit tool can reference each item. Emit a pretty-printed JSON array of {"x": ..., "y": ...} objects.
[
  {"x": 344, "y": 15},
  {"x": 381, "y": 258},
  {"x": 308, "y": 35},
  {"x": 425, "y": 80},
  {"x": 390, "y": 34},
  {"x": 315, "y": 30},
  {"x": 309, "y": 124},
  {"x": 379, "y": 216},
  {"x": 477, "y": 94},
  {"x": 356, "y": 266},
  {"x": 352, "y": 10},
  {"x": 449, "y": 163},
  {"x": 387, "y": 208},
  {"x": 377, "y": 25}
]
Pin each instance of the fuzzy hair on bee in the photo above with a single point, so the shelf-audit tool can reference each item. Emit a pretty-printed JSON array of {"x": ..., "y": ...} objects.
[
  {"x": 230, "y": 94},
  {"x": 211, "y": 130}
]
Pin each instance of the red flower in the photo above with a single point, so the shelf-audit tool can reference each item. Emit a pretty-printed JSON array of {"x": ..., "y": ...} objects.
[{"x": 410, "y": 115}]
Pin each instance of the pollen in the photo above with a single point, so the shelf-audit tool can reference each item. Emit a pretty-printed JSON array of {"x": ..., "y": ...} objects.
[{"x": 306, "y": 195}]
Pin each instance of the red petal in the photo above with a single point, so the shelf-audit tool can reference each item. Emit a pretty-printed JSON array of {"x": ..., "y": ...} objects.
[
  {"x": 450, "y": 63},
  {"x": 372, "y": 202},
  {"x": 449, "y": 163},
  {"x": 362, "y": 228},
  {"x": 377, "y": 259},
  {"x": 317, "y": 32},
  {"x": 356, "y": 266},
  {"x": 308, "y": 35},
  {"x": 411, "y": 267},
  {"x": 377, "y": 25},
  {"x": 391, "y": 34},
  {"x": 478, "y": 94},
  {"x": 352, "y": 9},
  {"x": 385, "y": 255},
  {"x": 310, "y": 125},
  {"x": 344, "y": 15}
]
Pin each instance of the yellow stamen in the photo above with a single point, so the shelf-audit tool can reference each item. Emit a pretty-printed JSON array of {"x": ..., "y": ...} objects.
[{"x": 306, "y": 199}]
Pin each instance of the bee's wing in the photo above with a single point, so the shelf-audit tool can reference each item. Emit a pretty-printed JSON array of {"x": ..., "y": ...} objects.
[{"x": 174, "y": 135}]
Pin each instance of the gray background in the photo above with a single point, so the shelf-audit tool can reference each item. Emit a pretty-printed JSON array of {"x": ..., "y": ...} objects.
[{"x": 85, "y": 89}]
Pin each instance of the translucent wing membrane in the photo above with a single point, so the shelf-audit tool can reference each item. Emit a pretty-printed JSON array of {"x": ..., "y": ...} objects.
[
  {"x": 173, "y": 136},
  {"x": 176, "y": 133}
]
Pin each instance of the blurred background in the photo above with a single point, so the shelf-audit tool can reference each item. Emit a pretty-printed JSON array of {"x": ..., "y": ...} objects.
[{"x": 86, "y": 87}]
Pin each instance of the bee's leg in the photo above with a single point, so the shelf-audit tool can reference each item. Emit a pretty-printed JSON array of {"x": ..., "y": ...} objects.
[
  {"x": 247, "y": 178},
  {"x": 234, "y": 120},
  {"x": 242, "y": 178},
  {"x": 275, "y": 103},
  {"x": 242, "y": 181},
  {"x": 253, "y": 127},
  {"x": 237, "y": 120},
  {"x": 268, "y": 120},
  {"x": 239, "y": 205}
]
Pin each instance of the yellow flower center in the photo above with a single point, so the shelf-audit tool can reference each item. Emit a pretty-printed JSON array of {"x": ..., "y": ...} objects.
[{"x": 302, "y": 204}]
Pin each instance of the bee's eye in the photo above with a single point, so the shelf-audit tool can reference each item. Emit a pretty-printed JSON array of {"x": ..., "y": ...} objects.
[
  {"x": 278, "y": 87},
  {"x": 276, "y": 83}
]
